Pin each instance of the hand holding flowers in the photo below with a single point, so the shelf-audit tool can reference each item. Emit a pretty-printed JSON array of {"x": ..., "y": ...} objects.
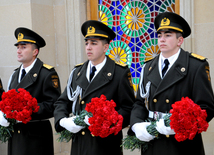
[
  {"x": 16, "y": 106},
  {"x": 185, "y": 120},
  {"x": 99, "y": 116}
]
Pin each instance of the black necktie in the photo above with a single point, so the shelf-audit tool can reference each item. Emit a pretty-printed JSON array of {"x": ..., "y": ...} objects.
[
  {"x": 23, "y": 73},
  {"x": 92, "y": 72},
  {"x": 166, "y": 62}
]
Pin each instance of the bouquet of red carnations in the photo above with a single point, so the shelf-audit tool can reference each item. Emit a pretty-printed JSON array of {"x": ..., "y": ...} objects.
[
  {"x": 187, "y": 119},
  {"x": 103, "y": 119},
  {"x": 16, "y": 106}
]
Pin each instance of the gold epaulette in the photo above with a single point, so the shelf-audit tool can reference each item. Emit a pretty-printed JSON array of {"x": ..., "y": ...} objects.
[
  {"x": 198, "y": 56},
  {"x": 121, "y": 64},
  {"x": 48, "y": 66},
  {"x": 79, "y": 64}
]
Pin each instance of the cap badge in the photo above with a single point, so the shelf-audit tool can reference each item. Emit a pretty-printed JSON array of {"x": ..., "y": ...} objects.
[
  {"x": 165, "y": 22},
  {"x": 20, "y": 36},
  {"x": 91, "y": 30}
]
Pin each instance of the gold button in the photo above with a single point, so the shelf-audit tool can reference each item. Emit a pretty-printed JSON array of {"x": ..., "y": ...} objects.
[
  {"x": 82, "y": 102},
  {"x": 18, "y": 131},
  {"x": 183, "y": 69},
  {"x": 155, "y": 100},
  {"x": 35, "y": 75},
  {"x": 109, "y": 74},
  {"x": 83, "y": 133},
  {"x": 167, "y": 136},
  {"x": 167, "y": 100}
]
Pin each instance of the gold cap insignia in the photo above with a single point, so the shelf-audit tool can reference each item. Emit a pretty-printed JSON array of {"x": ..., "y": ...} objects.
[
  {"x": 91, "y": 30},
  {"x": 165, "y": 22},
  {"x": 20, "y": 36}
]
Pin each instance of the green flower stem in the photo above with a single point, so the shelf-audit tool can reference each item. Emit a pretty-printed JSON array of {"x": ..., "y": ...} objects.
[{"x": 167, "y": 119}]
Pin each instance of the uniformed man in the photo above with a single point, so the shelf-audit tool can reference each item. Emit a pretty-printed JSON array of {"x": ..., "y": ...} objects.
[
  {"x": 167, "y": 78},
  {"x": 110, "y": 79},
  {"x": 42, "y": 81}
]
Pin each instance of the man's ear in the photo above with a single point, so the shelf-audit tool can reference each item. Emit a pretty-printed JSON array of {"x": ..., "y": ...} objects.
[
  {"x": 35, "y": 52},
  {"x": 106, "y": 47},
  {"x": 180, "y": 41}
]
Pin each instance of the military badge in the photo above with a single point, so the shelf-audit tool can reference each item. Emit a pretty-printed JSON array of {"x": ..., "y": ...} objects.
[
  {"x": 130, "y": 79},
  {"x": 55, "y": 81},
  {"x": 207, "y": 68}
]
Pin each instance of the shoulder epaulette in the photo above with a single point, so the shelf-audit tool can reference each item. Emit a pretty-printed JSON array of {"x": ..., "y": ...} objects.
[
  {"x": 198, "y": 56},
  {"x": 79, "y": 64},
  {"x": 48, "y": 66},
  {"x": 120, "y": 64}
]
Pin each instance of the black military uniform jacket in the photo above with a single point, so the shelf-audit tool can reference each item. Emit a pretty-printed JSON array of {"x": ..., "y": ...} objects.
[
  {"x": 36, "y": 137},
  {"x": 188, "y": 77},
  {"x": 112, "y": 81},
  {"x": 1, "y": 89}
]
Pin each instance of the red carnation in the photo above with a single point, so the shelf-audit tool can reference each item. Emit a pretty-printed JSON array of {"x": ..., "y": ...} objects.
[
  {"x": 16, "y": 106},
  {"x": 187, "y": 119},
  {"x": 105, "y": 119}
]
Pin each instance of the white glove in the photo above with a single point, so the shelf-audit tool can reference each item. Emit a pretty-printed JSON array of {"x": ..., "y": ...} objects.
[
  {"x": 86, "y": 120},
  {"x": 68, "y": 124},
  {"x": 3, "y": 121},
  {"x": 162, "y": 129},
  {"x": 141, "y": 131}
]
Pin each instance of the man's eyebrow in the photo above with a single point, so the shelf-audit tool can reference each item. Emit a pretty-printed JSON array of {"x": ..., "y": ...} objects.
[
  {"x": 165, "y": 32},
  {"x": 168, "y": 32},
  {"x": 92, "y": 40}
]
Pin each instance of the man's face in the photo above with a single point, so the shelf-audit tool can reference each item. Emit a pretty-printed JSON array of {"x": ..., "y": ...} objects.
[
  {"x": 95, "y": 50},
  {"x": 168, "y": 42},
  {"x": 26, "y": 54}
]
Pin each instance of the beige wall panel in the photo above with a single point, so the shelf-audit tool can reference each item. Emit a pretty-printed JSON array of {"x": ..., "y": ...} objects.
[
  {"x": 11, "y": 17},
  {"x": 61, "y": 45},
  {"x": 203, "y": 11},
  {"x": 203, "y": 45},
  {"x": 43, "y": 24},
  {"x": 204, "y": 38},
  {"x": 13, "y": 2}
]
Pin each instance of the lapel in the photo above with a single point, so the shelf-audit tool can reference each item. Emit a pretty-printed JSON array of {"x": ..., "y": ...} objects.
[
  {"x": 29, "y": 78},
  {"x": 101, "y": 79},
  {"x": 177, "y": 72},
  {"x": 153, "y": 72}
]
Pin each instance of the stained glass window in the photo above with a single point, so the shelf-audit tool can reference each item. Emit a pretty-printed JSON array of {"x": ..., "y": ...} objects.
[{"x": 132, "y": 21}]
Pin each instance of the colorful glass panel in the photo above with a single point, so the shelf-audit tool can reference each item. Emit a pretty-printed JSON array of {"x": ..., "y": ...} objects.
[{"x": 132, "y": 21}]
